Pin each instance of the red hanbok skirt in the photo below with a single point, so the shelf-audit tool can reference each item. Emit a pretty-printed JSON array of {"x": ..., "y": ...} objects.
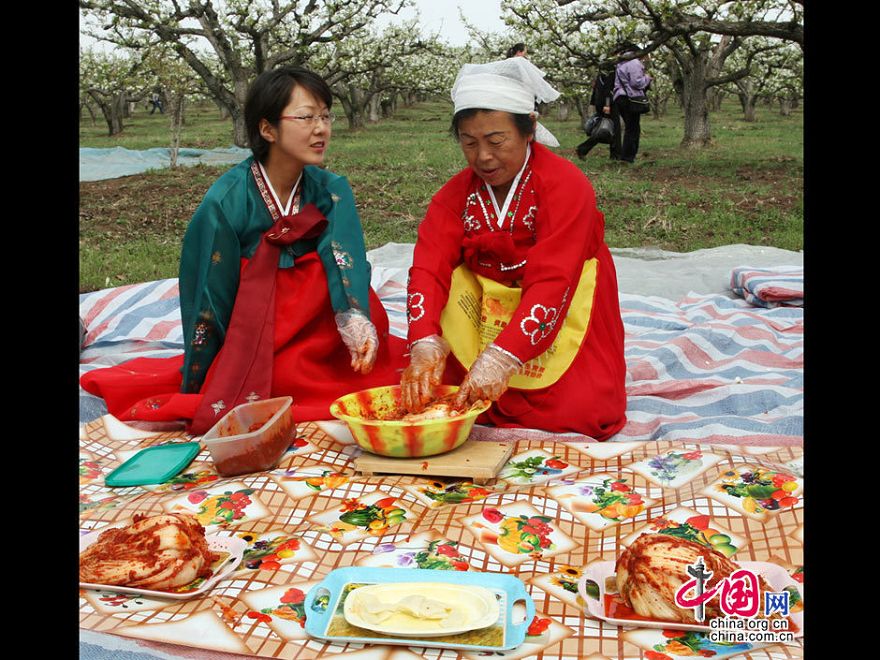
[{"x": 311, "y": 363}]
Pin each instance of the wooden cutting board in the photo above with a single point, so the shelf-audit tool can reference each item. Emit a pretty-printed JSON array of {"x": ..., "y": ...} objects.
[{"x": 475, "y": 460}]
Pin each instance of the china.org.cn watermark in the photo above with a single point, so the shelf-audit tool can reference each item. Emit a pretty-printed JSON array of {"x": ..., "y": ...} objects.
[{"x": 739, "y": 597}]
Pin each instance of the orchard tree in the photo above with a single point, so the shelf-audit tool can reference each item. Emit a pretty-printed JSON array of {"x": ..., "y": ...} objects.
[
  {"x": 112, "y": 81},
  {"x": 662, "y": 89},
  {"x": 700, "y": 66},
  {"x": 357, "y": 67},
  {"x": 177, "y": 82},
  {"x": 764, "y": 68},
  {"x": 786, "y": 86},
  {"x": 782, "y": 19},
  {"x": 427, "y": 72},
  {"x": 684, "y": 27},
  {"x": 246, "y": 37}
]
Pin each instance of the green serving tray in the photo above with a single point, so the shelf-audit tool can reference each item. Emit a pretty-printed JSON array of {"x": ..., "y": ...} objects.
[{"x": 153, "y": 465}]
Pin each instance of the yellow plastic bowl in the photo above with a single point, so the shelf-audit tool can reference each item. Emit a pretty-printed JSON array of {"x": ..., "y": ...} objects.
[{"x": 398, "y": 438}]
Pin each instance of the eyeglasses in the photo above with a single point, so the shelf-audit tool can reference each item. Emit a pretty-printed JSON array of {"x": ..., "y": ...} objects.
[{"x": 327, "y": 118}]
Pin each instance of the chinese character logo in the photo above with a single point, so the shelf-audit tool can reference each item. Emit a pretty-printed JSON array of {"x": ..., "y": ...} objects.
[
  {"x": 698, "y": 602},
  {"x": 738, "y": 593},
  {"x": 776, "y": 602}
]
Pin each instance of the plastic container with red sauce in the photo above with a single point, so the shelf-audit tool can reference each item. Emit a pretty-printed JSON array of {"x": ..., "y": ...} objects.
[{"x": 252, "y": 437}]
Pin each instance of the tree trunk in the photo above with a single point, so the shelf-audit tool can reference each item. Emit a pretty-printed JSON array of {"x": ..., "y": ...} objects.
[
  {"x": 562, "y": 110},
  {"x": 111, "y": 109},
  {"x": 387, "y": 106},
  {"x": 697, "y": 133},
  {"x": 658, "y": 106},
  {"x": 374, "y": 108},
  {"x": 353, "y": 105},
  {"x": 785, "y": 107},
  {"x": 91, "y": 110},
  {"x": 355, "y": 117},
  {"x": 235, "y": 108},
  {"x": 120, "y": 106},
  {"x": 224, "y": 111},
  {"x": 713, "y": 99},
  {"x": 582, "y": 108},
  {"x": 239, "y": 129},
  {"x": 176, "y": 103},
  {"x": 749, "y": 107}
]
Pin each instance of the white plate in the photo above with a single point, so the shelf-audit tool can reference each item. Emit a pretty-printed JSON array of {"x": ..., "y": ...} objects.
[
  {"x": 776, "y": 576},
  {"x": 480, "y": 601},
  {"x": 231, "y": 547}
]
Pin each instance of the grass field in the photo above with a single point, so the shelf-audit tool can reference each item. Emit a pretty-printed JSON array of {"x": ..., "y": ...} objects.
[{"x": 746, "y": 188}]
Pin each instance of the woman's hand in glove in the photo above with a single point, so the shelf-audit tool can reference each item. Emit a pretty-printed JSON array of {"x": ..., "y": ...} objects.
[
  {"x": 488, "y": 377},
  {"x": 360, "y": 338},
  {"x": 427, "y": 360}
]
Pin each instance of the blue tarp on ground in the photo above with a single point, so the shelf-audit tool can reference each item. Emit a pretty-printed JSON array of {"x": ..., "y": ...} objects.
[{"x": 96, "y": 164}]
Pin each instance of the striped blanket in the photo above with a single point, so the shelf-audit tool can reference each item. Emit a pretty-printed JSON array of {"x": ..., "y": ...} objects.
[
  {"x": 769, "y": 287},
  {"x": 706, "y": 368}
]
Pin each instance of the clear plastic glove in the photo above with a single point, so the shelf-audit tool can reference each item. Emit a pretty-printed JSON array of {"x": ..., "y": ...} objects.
[
  {"x": 427, "y": 360},
  {"x": 488, "y": 377},
  {"x": 360, "y": 338}
]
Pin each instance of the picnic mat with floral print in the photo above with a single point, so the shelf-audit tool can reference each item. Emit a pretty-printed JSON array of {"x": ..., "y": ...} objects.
[{"x": 294, "y": 521}]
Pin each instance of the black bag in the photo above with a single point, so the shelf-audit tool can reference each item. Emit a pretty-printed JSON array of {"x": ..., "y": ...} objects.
[
  {"x": 638, "y": 104},
  {"x": 599, "y": 127},
  {"x": 603, "y": 130},
  {"x": 590, "y": 124}
]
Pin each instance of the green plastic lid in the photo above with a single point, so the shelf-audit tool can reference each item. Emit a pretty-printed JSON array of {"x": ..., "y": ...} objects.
[{"x": 153, "y": 465}]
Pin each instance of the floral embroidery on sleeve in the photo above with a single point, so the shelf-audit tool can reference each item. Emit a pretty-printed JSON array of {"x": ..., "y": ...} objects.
[
  {"x": 539, "y": 323},
  {"x": 343, "y": 258},
  {"x": 200, "y": 334},
  {"x": 415, "y": 308}
]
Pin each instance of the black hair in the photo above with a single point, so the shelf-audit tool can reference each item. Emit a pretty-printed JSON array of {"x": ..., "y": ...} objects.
[
  {"x": 270, "y": 93},
  {"x": 623, "y": 47},
  {"x": 515, "y": 48},
  {"x": 523, "y": 122}
]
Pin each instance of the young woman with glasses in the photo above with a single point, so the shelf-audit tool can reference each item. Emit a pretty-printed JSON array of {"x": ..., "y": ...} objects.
[{"x": 274, "y": 282}]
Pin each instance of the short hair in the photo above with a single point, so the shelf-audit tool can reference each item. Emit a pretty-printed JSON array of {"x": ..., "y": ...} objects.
[
  {"x": 515, "y": 48},
  {"x": 270, "y": 93},
  {"x": 623, "y": 47},
  {"x": 523, "y": 122}
]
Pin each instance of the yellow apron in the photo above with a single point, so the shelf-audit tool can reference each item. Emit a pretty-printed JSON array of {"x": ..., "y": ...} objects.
[{"x": 479, "y": 308}]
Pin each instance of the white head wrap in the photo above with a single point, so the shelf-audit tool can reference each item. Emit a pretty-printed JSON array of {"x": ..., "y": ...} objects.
[{"x": 511, "y": 85}]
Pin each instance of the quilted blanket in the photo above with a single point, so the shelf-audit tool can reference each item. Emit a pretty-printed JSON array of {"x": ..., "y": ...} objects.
[{"x": 706, "y": 368}]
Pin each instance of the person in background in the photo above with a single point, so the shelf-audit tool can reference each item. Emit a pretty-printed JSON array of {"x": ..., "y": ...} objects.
[
  {"x": 513, "y": 292},
  {"x": 630, "y": 80},
  {"x": 517, "y": 50},
  {"x": 156, "y": 102},
  {"x": 600, "y": 99},
  {"x": 275, "y": 296}
]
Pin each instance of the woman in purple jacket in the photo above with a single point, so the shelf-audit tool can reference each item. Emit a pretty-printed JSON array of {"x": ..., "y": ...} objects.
[{"x": 630, "y": 80}]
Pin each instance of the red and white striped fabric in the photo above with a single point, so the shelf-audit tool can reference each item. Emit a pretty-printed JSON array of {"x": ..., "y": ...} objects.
[
  {"x": 706, "y": 369},
  {"x": 769, "y": 287}
]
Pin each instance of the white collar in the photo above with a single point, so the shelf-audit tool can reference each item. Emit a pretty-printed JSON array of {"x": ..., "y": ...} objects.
[
  {"x": 502, "y": 213},
  {"x": 287, "y": 207}
]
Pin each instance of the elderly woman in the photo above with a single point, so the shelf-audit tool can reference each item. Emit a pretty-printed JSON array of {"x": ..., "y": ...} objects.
[
  {"x": 512, "y": 291},
  {"x": 275, "y": 293}
]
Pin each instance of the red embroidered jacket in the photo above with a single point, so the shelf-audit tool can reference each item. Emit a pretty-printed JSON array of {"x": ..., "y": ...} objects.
[{"x": 555, "y": 229}]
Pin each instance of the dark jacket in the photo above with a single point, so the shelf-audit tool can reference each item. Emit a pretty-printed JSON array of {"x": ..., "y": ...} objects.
[{"x": 603, "y": 89}]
